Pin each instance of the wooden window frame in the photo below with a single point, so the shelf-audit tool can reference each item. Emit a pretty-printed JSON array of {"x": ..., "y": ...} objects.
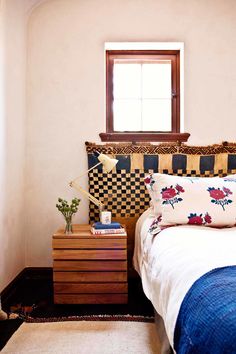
[{"x": 134, "y": 136}]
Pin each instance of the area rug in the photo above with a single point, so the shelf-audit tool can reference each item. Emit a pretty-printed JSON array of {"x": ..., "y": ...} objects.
[{"x": 85, "y": 337}]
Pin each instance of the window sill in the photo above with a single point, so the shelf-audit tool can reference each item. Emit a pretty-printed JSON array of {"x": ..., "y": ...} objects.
[{"x": 140, "y": 137}]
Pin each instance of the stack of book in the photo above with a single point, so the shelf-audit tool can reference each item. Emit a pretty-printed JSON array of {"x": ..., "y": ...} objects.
[{"x": 107, "y": 229}]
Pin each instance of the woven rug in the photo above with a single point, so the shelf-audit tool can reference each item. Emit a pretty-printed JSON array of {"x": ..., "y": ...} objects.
[{"x": 103, "y": 336}]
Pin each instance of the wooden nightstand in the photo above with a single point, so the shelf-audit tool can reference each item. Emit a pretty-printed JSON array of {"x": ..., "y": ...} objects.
[{"x": 89, "y": 269}]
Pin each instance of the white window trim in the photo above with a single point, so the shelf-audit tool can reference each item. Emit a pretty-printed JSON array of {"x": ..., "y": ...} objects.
[{"x": 155, "y": 46}]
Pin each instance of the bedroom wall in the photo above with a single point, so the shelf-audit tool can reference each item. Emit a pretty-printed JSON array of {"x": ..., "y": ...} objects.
[
  {"x": 12, "y": 98},
  {"x": 65, "y": 88},
  {"x": 13, "y": 19},
  {"x": 2, "y": 144}
]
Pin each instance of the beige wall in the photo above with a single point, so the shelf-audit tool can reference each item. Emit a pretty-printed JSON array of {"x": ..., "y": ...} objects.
[
  {"x": 66, "y": 87},
  {"x": 13, "y": 54},
  {"x": 3, "y": 257},
  {"x": 13, "y": 20},
  {"x": 65, "y": 99}
]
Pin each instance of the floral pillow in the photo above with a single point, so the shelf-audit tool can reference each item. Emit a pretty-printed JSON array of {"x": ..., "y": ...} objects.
[
  {"x": 193, "y": 200},
  {"x": 154, "y": 203}
]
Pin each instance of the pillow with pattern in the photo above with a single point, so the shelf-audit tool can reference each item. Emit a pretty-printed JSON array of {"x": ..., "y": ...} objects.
[
  {"x": 193, "y": 200},
  {"x": 149, "y": 183}
]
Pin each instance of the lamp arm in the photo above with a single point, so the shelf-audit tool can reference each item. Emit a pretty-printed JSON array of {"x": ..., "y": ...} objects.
[
  {"x": 99, "y": 163},
  {"x": 88, "y": 195}
]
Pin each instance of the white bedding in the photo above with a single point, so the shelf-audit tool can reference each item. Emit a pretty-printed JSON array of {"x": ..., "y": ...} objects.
[{"x": 170, "y": 262}]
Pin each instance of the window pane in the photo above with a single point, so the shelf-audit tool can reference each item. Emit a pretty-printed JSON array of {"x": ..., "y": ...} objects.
[
  {"x": 156, "y": 80},
  {"x": 156, "y": 115},
  {"x": 127, "y": 115},
  {"x": 127, "y": 80}
]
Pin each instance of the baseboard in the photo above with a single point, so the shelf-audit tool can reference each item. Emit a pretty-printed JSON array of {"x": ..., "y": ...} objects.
[
  {"x": 34, "y": 273},
  {"x": 29, "y": 273},
  {"x": 10, "y": 289}
]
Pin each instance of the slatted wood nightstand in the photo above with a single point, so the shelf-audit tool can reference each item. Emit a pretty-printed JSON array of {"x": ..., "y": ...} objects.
[{"x": 89, "y": 269}]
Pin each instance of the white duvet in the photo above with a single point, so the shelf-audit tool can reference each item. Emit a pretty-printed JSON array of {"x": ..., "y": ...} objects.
[{"x": 170, "y": 262}]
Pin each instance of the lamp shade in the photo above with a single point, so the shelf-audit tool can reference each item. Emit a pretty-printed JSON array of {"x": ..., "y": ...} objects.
[{"x": 107, "y": 162}]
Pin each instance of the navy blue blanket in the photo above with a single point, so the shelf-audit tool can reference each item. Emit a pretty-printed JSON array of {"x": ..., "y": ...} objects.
[{"x": 206, "y": 322}]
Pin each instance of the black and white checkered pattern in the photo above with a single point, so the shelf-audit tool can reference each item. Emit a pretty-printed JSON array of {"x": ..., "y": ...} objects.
[{"x": 124, "y": 193}]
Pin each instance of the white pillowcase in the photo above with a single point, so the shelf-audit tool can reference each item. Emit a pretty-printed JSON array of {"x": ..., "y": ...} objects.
[{"x": 193, "y": 200}]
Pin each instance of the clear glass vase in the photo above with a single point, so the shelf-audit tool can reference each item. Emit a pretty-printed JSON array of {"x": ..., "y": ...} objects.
[{"x": 68, "y": 226}]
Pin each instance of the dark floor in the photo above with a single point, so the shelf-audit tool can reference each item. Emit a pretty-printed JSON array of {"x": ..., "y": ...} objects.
[{"x": 34, "y": 297}]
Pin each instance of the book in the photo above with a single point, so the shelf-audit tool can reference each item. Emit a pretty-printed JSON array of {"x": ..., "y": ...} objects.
[
  {"x": 118, "y": 232},
  {"x": 113, "y": 225}
]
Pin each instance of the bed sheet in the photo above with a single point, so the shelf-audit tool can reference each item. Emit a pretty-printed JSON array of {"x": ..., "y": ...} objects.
[{"x": 171, "y": 261}]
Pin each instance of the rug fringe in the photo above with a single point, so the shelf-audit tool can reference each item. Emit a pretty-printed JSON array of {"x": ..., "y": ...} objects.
[{"x": 131, "y": 318}]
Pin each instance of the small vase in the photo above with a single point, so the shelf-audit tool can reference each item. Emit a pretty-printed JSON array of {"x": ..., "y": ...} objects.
[{"x": 68, "y": 226}]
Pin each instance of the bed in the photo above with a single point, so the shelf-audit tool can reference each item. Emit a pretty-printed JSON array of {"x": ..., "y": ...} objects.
[
  {"x": 188, "y": 271},
  {"x": 176, "y": 262},
  {"x": 170, "y": 262}
]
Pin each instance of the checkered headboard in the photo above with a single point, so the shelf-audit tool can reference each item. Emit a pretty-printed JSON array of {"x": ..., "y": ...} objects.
[{"x": 123, "y": 192}]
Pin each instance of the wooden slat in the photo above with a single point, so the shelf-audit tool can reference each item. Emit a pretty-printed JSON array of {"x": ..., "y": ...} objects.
[
  {"x": 75, "y": 288},
  {"x": 78, "y": 230},
  {"x": 89, "y": 254},
  {"x": 88, "y": 277},
  {"x": 82, "y": 231},
  {"x": 87, "y": 235},
  {"x": 90, "y": 265},
  {"x": 89, "y": 243},
  {"x": 90, "y": 298}
]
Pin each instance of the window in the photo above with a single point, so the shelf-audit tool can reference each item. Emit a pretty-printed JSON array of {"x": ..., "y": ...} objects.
[{"x": 143, "y": 96}]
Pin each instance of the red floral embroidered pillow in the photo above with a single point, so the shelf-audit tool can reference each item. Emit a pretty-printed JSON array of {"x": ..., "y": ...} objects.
[
  {"x": 193, "y": 200},
  {"x": 154, "y": 203}
]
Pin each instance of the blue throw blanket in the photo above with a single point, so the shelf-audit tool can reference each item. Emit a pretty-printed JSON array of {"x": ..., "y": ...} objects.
[{"x": 206, "y": 322}]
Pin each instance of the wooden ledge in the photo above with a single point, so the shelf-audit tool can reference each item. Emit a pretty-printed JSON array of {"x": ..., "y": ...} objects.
[{"x": 141, "y": 137}]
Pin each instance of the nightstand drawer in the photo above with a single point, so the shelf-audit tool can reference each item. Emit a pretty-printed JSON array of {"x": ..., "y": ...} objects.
[
  {"x": 89, "y": 254},
  {"x": 90, "y": 298},
  {"x": 96, "y": 243},
  {"x": 87, "y": 277},
  {"x": 90, "y": 265},
  {"x": 94, "y": 288}
]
